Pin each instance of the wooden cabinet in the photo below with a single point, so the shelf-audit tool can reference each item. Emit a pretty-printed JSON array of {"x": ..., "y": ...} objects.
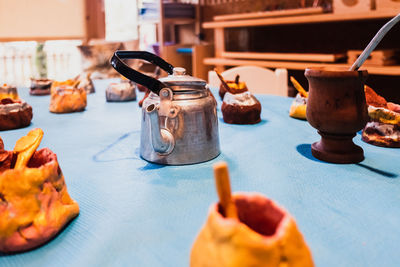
[
  {"x": 298, "y": 59},
  {"x": 296, "y": 42}
]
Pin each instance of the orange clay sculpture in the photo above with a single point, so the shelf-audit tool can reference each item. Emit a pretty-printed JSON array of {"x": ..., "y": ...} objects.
[
  {"x": 8, "y": 91},
  {"x": 67, "y": 99},
  {"x": 34, "y": 202}
]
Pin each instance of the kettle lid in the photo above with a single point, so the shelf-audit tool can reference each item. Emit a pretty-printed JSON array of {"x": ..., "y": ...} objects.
[{"x": 180, "y": 81}]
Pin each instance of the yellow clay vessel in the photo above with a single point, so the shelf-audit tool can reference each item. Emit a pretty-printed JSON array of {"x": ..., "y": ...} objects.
[
  {"x": 298, "y": 108},
  {"x": 264, "y": 235},
  {"x": 34, "y": 202}
]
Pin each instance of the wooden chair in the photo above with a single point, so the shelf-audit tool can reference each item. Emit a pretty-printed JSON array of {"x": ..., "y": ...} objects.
[{"x": 259, "y": 80}]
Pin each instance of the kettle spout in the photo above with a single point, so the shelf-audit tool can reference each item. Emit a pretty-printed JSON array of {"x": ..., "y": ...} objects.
[{"x": 162, "y": 140}]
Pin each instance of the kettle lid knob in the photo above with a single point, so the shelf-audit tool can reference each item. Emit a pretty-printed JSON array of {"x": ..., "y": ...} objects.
[{"x": 179, "y": 71}]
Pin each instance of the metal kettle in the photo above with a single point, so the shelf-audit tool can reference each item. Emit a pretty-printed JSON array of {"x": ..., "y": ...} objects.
[{"x": 179, "y": 118}]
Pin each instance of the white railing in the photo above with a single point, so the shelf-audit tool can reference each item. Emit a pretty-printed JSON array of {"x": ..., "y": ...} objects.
[
  {"x": 64, "y": 60},
  {"x": 18, "y": 61}
]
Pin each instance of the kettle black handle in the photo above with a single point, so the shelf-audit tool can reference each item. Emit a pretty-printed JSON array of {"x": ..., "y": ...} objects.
[{"x": 153, "y": 84}]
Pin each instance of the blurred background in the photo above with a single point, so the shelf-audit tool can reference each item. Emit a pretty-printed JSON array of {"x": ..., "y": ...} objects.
[
  {"x": 42, "y": 42},
  {"x": 59, "y": 39}
]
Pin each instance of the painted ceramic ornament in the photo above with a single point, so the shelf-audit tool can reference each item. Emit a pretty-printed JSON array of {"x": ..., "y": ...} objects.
[
  {"x": 248, "y": 230},
  {"x": 34, "y": 203}
]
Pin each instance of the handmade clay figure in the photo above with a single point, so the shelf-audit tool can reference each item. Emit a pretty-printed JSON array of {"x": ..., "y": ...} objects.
[
  {"x": 383, "y": 129},
  {"x": 34, "y": 202},
  {"x": 239, "y": 106},
  {"x": 121, "y": 92},
  {"x": 8, "y": 91},
  {"x": 248, "y": 230},
  {"x": 67, "y": 99},
  {"x": 40, "y": 86},
  {"x": 299, "y": 104},
  {"x": 14, "y": 114},
  {"x": 235, "y": 87}
]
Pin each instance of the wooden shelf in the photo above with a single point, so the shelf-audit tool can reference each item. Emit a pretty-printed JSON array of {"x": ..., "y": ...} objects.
[
  {"x": 170, "y": 21},
  {"x": 377, "y": 70},
  {"x": 284, "y": 56},
  {"x": 179, "y": 21},
  {"x": 304, "y": 19},
  {"x": 271, "y": 14}
]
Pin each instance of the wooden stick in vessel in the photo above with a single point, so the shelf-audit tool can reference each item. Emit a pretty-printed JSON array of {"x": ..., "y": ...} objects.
[
  {"x": 227, "y": 88},
  {"x": 298, "y": 87},
  {"x": 222, "y": 182}
]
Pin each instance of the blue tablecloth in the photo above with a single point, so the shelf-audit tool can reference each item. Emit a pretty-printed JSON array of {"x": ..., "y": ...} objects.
[{"x": 134, "y": 213}]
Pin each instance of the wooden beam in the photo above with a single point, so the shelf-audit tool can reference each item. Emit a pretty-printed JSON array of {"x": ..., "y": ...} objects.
[
  {"x": 95, "y": 20},
  {"x": 219, "y": 45},
  {"x": 381, "y": 70},
  {"x": 301, "y": 19},
  {"x": 285, "y": 56},
  {"x": 271, "y": 14}
]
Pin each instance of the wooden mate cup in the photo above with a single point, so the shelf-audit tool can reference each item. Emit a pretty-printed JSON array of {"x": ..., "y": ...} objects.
[{"x": 336, "y": 107}]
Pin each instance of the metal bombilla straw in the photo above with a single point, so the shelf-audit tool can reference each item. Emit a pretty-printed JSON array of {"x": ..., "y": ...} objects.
[{"x": 374, "y": 42}]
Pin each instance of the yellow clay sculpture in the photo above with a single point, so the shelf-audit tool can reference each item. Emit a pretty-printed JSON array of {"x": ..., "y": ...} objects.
[
  {"x": 34, "y": 202},
  {"x": 264, "y": 235},
  {"x": 298, "y": 108}
]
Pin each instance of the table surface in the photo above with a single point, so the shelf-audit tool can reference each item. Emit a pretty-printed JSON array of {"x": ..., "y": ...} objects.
[{"x": 134, "y": 213}]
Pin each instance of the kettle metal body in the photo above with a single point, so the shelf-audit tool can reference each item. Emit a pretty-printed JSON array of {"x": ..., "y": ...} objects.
[{"x": 179, "y": 123}]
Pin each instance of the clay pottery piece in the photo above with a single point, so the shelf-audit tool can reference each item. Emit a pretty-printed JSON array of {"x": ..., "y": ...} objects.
[
  {"x": 34, "y": 202},
  {"x": 8, "y": 91},
  {"x": 14, "y": 114},
  {"x": 263, "y": 235},
  {"x": 236, "y": 88},
  {"x": 40, "y": 86},
  {"x": 336, "y": 107},
  {"x": 67, "y": 99},
  {"x": 298, "y": 107}
]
